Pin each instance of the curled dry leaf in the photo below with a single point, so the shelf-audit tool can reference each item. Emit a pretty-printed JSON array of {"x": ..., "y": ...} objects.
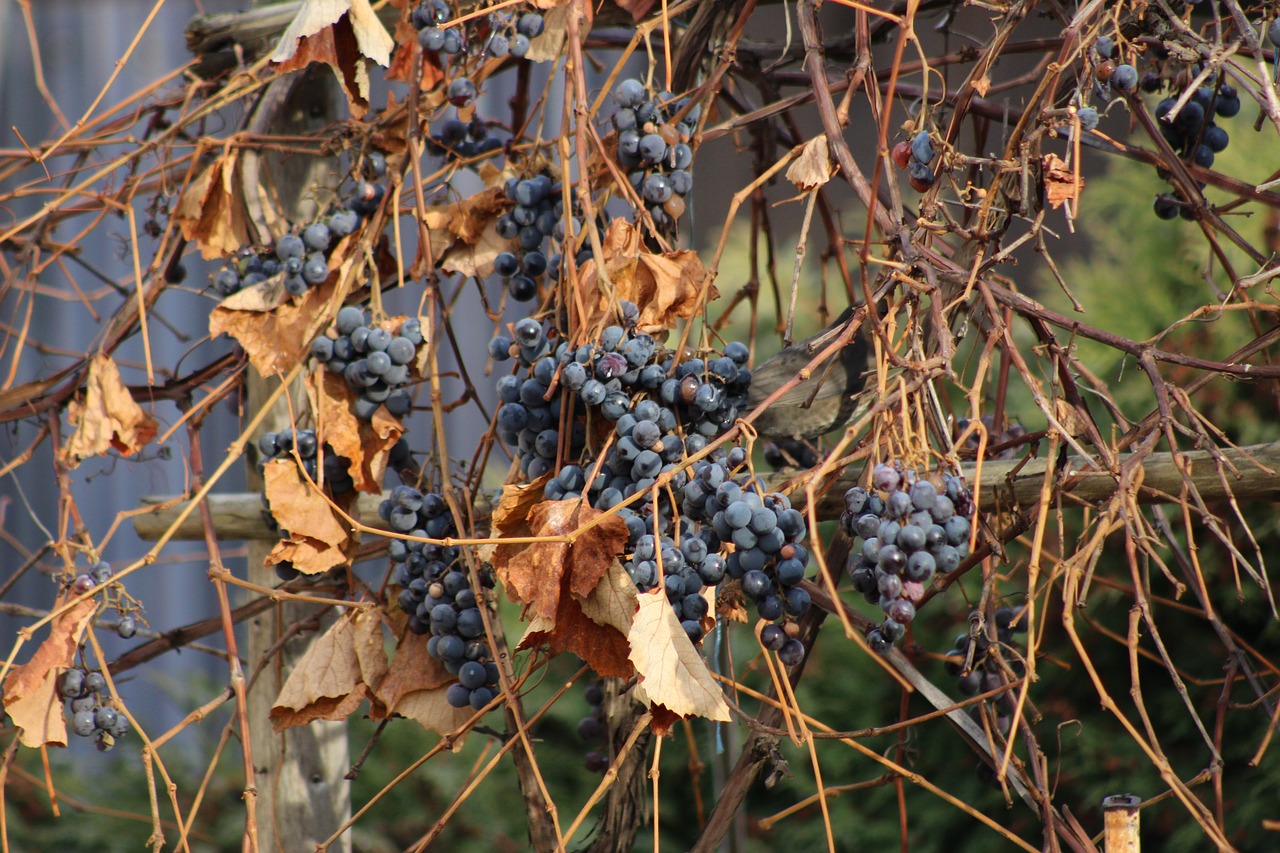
[
  {"x": 813, "y": 167},
  {"x": 319, "y": 537},
  {"x": 672, "y": 672},
  {"x": 211, "y": 211},
  {"x": 667, "y": 287},
  {"x": 341, "y": 669},
  {"x": 106, "y": 416},
  {"x": 416, "y": 685},
  {"x": 464, "y": 235},
  {"x": 571, "y": 591},
  {"x": 537, "y": 574},
  {"x": 1061, "y": 184},
  {"x": 407, "y": 49},
  {"x": 277, "y": 335},
  {"x": 31, "y": 690},
  {"x": 343, "y": 34},
  {"x": 366, "y": 443},
  {"x": 593, "y": 627}
]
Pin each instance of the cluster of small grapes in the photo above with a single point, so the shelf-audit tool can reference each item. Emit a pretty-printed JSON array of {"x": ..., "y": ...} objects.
[
  {"x": 1109, "y": 74},
  {"x": 769, "y": 561},
  {"x": 91, "y": 713},
  {"x": 374, "y": 362},
  {"x": 537, "y": 217},
  {"x": 915, "y": 155},
  {"x": 459, "y": 140},
  {"x": 505, "y": 36},
  {"x": 99, "y": 573},
  {"x": 436, "y": 593},
  {"x": 593, "y": 731},
  {"x": 661, "y": 411},
  {"x": 1194, "y": 135},
  {"x": 909, "y": 531},
  {"x": 984, "y": 673},
  {"x": 653, "y": 147},
  {"x": 300, "y": 257}
]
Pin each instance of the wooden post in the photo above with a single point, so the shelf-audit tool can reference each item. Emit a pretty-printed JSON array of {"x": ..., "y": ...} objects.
[
  {"x": 303, "y": 795},
  {"x": 1120, "y": 816}
]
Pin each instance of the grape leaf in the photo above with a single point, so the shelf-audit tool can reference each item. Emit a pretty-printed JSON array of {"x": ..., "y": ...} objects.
[
  {"x": 538, "y": 574},
  {"x": 667, "y": 287},
  {"x": 31, "y": 691},
  {"x": 407, "y": 49},
  {"x": 343, "y": 34},
  {"x": 1061, "y": 183},
  {"x": 107, "y": 416},
  {"x": 594, "y": 627},
  {"x": 416, "y": 685},
  {"x": 277, "y": 335},
  {"x": 464, "y": 236},
  {"x": 211, "y": 211},
  {"x": 813, "y": 167},
  {"x": 341, "y": 669},
  {"x": 366, "y": 443},
  {"x": 672, "y": 672},
  {"x": 319, "y": 537}
]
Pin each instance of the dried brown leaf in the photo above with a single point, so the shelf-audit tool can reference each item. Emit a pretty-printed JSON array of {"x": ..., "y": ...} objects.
[
  {"x": 667, "y": 287},
  {"x": 211, "y": 211},
  {"x": 407, "y": 49},
  {"x": 107, "y": 416},
  {"x": 341, "y": 33},
  {"x": 416, "y": 685},
  {"x": 31, "y": 690},
  {"x": 366, "y": 443},
  {"x": 672, "y": 672},
  {"x": 538, "y": 574},
  {"x": 613, "y": 601},
  {"x": 464, "y": 236},
  {"x": 555, "y": 33},
  {"x": 1061, "y": 184},
  {"x": 319, "y": 537},
  {"x": 331, "y": 679},
  {"x": 431, "y": 710},
  {"x": 277, "y": 336},
  {"x": 813, "y": 167},
  {"x": 594, "y": 627}
]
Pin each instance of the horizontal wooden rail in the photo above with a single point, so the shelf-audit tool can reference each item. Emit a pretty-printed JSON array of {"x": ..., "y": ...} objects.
[{"x": 1247, "y": 473}]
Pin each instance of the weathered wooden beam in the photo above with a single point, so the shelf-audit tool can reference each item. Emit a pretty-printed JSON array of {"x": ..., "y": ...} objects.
[{"x": 1005, "y": 484}]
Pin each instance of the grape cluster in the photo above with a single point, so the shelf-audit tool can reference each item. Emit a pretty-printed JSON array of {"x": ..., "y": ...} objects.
[
  {"x": 90, "y": 707},
  {"x": 300, "y": 257},
  {"x": 538, "y": 215},
  {"x": 436, "y": 593},
  {"x": 915, "y": 155},
  {"x": 455, "y": 139},
  {"x": 983, "y": 673},
  {"x": 510, "y": 35},
  {"x": 661, "y": 411},
  {"x": 1195, "y": 135},
  {"x": 97, "y": 574},
  {"x": 909, "y": 531},
  {"x": 375, "y": 362},
  {"x": 1107, "y": 72},
  {"x": 593, "y": 730},
  {"x": 653, "y": 148}
]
